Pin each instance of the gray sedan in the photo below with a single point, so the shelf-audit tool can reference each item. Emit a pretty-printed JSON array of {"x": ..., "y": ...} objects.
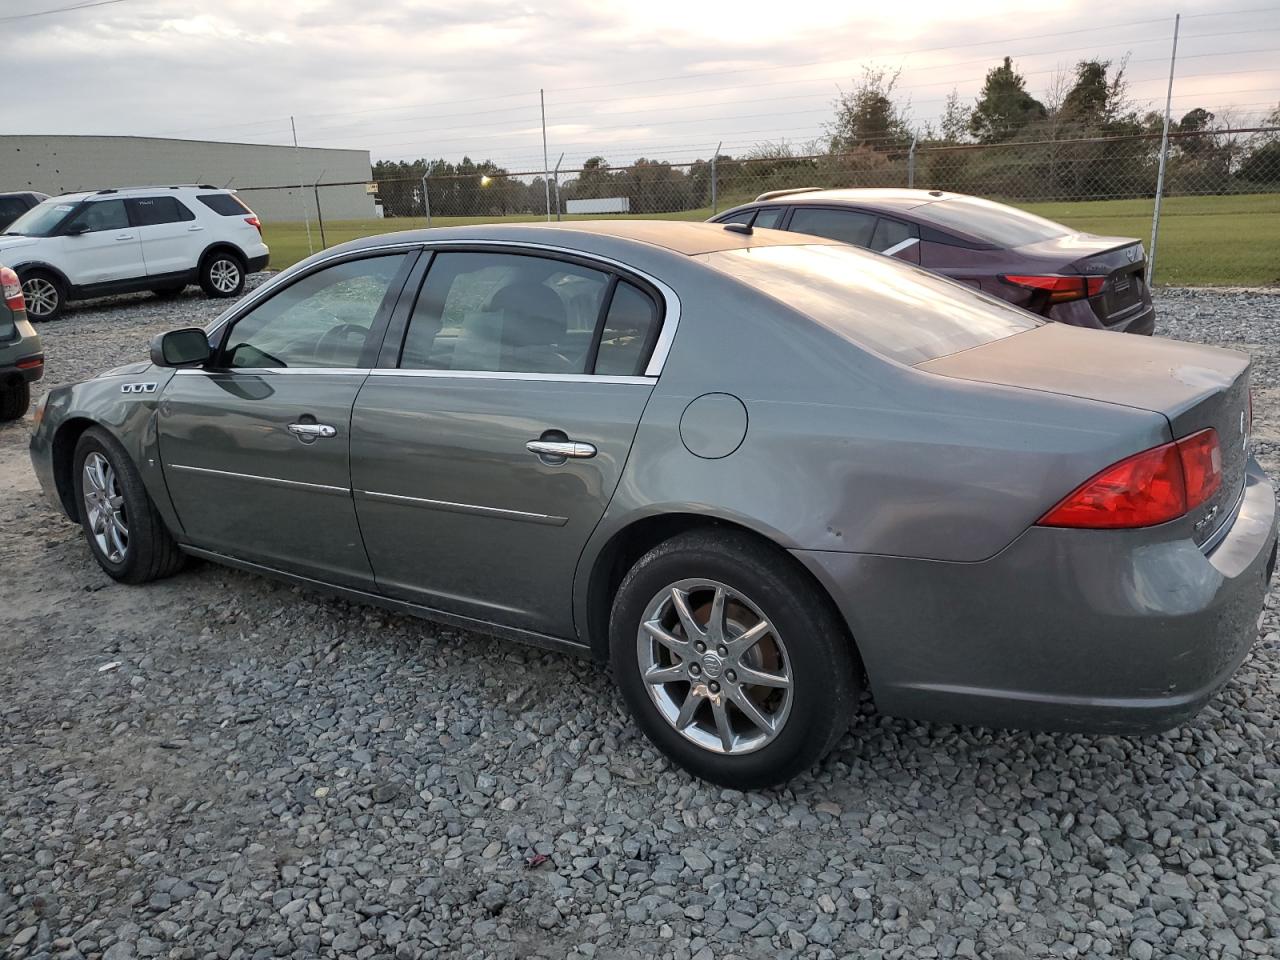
[{"x": 750, "y": 471}]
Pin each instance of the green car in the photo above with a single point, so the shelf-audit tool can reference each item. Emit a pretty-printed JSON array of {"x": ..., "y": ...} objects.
[{"x": 21, "y": 356}]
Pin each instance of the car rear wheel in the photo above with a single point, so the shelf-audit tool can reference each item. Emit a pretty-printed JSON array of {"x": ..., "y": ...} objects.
[
  {"x": 44, "y": 296},
  {"x": 222, "y": 274},
  {"x": 15, "y": 397},
  {"x": 125, "y": 533},
  {"x": 734, "y": 663}
]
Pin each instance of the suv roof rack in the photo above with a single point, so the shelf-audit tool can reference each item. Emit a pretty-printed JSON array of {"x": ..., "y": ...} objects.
[
  {"x": 108, "y": 190},
  {"x": 785, "y": 193}
]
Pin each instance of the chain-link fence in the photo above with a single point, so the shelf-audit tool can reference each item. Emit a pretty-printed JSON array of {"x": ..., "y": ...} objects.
[{"x": 1219, "y": 224}]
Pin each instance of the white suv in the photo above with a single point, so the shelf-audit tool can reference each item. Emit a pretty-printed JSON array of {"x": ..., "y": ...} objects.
[{"x": 83, "y": 245}]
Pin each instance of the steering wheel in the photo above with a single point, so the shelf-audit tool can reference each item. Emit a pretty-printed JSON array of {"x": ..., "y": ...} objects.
[{"x": 332, "y": 341}]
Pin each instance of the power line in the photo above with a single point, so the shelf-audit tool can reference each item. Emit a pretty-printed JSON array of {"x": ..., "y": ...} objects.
[{"x": 47, "y": 13}]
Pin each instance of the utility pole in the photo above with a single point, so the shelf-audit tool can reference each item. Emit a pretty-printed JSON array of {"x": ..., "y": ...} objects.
[
  {"x": 546, "y": 172},
  {"x": 302, "y": 184},
  {"x": 1164, "y": 156}
]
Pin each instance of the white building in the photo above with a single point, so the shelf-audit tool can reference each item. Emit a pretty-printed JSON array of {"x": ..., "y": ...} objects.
[{"x": 65, "y": 164}]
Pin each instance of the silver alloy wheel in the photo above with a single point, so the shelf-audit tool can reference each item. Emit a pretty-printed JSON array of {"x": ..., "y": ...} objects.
[
  {"x": 41, "y": 296},
  {"x": 104, "y": 508},
  {"x": 224, "y": 275},
  {"x": 714, "y": 666}
]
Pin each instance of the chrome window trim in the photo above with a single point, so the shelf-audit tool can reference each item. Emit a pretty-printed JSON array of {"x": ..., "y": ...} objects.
[
  {"x": 273, "y": 481},
  {"x": 900, "y": 246},
  {"x": 510, "y": 375},
  {"x": 474, "y": 509},
  {"x": 272, "y": 371},
  {"x": 661, "y": 348}
]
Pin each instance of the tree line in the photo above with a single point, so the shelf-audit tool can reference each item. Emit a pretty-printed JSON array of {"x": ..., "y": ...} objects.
[{"x": 1083, "y": 139}]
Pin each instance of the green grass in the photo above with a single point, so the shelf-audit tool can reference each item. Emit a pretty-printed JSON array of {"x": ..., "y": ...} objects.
[{"x": 1204, "y": 241}]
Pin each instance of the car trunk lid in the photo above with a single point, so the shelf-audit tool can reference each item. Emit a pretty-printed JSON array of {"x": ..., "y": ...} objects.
[
  {"x": 1120, "y": 261},
  {"x": 1193, "y": 386}
]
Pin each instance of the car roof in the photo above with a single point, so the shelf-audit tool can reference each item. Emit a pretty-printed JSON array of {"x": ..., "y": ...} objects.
[
  {"x": 895, "y": 197},
  {"x": 111, "y": 193},
  {"x": 687, "y": 237}
]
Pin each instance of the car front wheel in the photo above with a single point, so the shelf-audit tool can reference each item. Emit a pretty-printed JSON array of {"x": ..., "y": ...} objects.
[
  {"x": 732, "y": 660},
  {"x": 44, "y": 296},
  {"x": 222, "y": 274},
  {"x": 125, "y": 533}
]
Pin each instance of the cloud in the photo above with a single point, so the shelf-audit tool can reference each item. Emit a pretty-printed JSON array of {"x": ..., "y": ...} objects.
[{"x": 665, "y": 78}]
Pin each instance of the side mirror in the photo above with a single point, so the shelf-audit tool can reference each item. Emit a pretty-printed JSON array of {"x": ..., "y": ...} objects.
[
  {"x": 180, "y": 348},
  {"x": 77, "y": 230}
]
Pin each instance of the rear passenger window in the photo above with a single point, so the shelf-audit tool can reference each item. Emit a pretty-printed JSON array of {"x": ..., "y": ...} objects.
[
  {"x": 769, "y": 218},
  {"x": 890, "y": 233},
  {"x": 849, "y": 226},
  {"x": 499, "y": 312},
  {"x": 629, "y": 330},
  {"x": 150, "y": 211},
  {"x": 226, "y": 204}
]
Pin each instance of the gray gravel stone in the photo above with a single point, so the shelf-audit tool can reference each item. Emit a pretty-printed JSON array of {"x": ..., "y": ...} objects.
[{"x": 269, "y": 772}]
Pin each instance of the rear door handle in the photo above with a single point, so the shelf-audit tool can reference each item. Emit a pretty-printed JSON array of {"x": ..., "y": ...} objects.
[
  {"x": 194, "y": 227},
  {"x": 311, "y": 432},
  {"x": 562, "y": 449},
  {"x": 124, "y": 236}
]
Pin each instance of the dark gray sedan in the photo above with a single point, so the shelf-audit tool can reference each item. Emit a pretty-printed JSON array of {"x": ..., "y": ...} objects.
[{"x": 751, "y": 471}]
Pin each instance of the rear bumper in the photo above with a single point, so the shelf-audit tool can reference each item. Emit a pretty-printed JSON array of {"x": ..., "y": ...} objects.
[
  {"x": 257, "y": 263},
  {"x": 1080, "y": 313},
  {"x": 1115, "y": 631},
  {"x": 26, "y": 368}
]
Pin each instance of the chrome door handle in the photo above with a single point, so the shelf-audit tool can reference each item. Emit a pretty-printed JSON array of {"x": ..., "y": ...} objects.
[
  {"x": 561, "y": 448},
  {"x": 193, "y": 229},
  {"x": 307, "y": 432},
  {"x": 124, "y": 236}
]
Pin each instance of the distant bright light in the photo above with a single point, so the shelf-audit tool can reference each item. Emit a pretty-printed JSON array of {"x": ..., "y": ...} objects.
[{"x": 485, "y": 180}]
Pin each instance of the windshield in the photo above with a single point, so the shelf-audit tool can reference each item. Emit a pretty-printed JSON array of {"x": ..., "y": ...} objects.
[
  {"x": 42, "y": 219},
  {"x": 897, "y": 310},
  {"x": 988, "y": 221}
]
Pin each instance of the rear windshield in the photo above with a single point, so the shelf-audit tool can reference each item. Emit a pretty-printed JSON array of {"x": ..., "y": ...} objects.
[
  {"x": 227, "y": 204},
  {"x": 893, "y": 308},
  {"x": 41, "y": 219},
  {"x": 989, "y": 221}
]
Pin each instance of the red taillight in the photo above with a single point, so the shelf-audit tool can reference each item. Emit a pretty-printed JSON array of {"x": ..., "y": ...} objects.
[
  {"x": 1201, "y": 465},
  {"x": 1060, "y": 289},
  {"x": 1151, "y": 487},
  {"x": 12, "y": 290},
  {"x": 253, "y": 221},
  {"x": 30, "y": 363}
]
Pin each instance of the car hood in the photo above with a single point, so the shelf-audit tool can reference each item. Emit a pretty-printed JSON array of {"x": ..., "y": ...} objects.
[{"x": 12, "y": 243}]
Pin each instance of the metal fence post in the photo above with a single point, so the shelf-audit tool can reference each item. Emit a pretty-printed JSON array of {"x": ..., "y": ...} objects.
[
  {"x": 319, "y": 213},
  {"x": 556, "y": 176},
  {"x": 546, "y": 173},
  {"x": 911, "y": 163},
  {"x": 714, "y": 200},
  {"x": 1164, "y": 156},
  {"x": 426, "y": 192}
]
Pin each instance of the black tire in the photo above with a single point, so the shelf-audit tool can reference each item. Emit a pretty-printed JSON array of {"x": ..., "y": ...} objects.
[
  {"x": 824, "y": 673},
  {"x": 150, "y": 552},
  {"x": 214, "y": 268},
  {"x": 168, "y": 293},
  {"x": 15, "y": 398},
  {"x": 45, "y": 295}
]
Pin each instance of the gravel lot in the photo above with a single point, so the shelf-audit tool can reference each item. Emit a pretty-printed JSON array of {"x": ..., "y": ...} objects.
[{"x": 222, "y": 766}]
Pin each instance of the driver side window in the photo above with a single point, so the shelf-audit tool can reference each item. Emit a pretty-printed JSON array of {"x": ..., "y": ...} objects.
[{"x": 322, "y": 320}]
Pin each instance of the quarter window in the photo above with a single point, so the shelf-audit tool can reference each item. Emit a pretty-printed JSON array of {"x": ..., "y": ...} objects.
[
  {"x": 150, "y": 211},
  {"x": 102, "y": 215},
  {"x": 498, "y": 312},
  {"x": 322, "y": 320},
  {"x": 630, "y": 327},
  {"x": 225, "y": 204},
  {"x": 890, "y": 233},
  {"x": 849, "y": 226},
  {"x": 742, "y": 216}
]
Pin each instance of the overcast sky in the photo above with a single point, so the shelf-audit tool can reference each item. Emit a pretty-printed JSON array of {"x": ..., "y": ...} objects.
[{"x": 658, "y": 78}]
